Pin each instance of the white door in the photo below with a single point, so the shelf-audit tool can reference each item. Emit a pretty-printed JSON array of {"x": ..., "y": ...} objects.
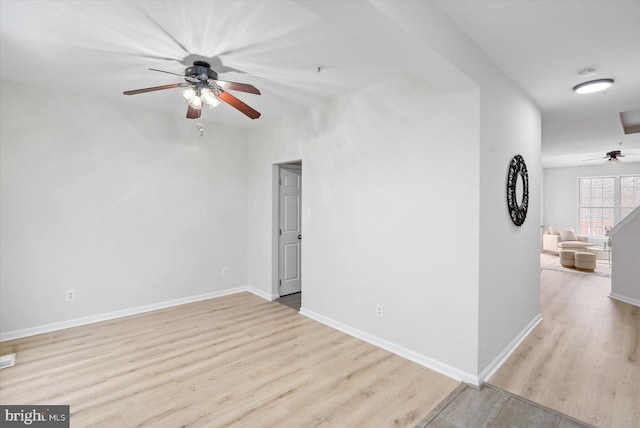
[{"x": 290, "y": 231}]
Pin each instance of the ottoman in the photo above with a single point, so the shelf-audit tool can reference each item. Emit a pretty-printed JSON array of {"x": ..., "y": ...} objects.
[
  {"x": 585, "y": 261},
  {"x": 567, "y": 257}
]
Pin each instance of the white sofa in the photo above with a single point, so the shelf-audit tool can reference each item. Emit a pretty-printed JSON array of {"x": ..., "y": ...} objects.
[{"x": 558, "y": 238}]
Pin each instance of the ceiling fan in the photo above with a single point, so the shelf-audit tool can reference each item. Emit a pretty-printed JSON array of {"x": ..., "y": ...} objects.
[
  {"x": 203, "y": 87},
  {"x": 611, "y": 157}
]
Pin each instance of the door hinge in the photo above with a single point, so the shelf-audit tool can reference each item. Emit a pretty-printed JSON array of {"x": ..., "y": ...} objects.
[
  {"x": 280, "y": 231},
  {"x": 280, "y": 282}
]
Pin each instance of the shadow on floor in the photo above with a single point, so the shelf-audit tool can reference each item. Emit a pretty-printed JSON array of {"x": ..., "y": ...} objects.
[{"x": 292, "y": 300}]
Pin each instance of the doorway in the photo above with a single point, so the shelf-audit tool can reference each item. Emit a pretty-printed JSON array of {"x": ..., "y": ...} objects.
[{"x": 290, "y": 234}]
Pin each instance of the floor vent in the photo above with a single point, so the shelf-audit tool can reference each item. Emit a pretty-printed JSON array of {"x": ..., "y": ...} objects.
[{"x": 7, "y": 361}]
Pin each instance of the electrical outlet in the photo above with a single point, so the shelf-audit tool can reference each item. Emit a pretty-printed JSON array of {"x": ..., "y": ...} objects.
[
  {"x": 379, "y": 310},
  {"x": 224, "y": 271},
  {"x": 71, "y": 295}
]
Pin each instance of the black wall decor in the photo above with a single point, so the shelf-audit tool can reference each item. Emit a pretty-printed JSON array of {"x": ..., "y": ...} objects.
[{"x": 517, "y": 211}]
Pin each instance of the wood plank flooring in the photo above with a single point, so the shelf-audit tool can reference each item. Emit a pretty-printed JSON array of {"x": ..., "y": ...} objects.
[
  {"x": 232, "y": 361},
  {"x": 242, "y": 361},
  {"x": 583, "y": 359}
]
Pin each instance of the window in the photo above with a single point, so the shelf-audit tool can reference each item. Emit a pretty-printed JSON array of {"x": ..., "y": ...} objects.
[
  {"x": 604, "y": 201},
  {"x": 596, "y": 205},
  {"x": 629, "y": 194}
]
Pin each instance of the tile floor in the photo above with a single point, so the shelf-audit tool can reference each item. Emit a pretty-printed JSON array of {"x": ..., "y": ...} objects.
[{"x": 491, "y": 407}]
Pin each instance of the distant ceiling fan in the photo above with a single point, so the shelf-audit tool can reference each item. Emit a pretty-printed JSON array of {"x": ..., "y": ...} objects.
[
  {"x": 203, "y": 87},
  {"x": 611, "y": 157}
]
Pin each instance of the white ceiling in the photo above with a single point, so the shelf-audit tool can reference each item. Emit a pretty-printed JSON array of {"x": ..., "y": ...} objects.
[
  {"x": 543, "y": 45},
  {"x": 102, "y": 48},
  {"x": 105, "y": 47}
]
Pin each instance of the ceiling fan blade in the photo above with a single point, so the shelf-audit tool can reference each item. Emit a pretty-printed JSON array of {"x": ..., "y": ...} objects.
[
  {"x": 154, "y": 88},
  {"x": 193, "y": 113},
  {"x": 235, "y": 86},
  {"x": 161, "y": 28},
  {"x": 239, "y": 105},
  {"x": 168, "y": 72}
]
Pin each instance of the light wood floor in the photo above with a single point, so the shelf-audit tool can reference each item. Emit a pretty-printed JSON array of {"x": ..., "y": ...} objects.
[
  {"x": 231, "y": 361},
  {"x": 240, "y": 360},
  {"x": 583, "y": 359}
]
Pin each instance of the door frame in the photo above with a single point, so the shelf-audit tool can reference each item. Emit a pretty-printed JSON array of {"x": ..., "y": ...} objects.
[{"x": 275, "y": 223}]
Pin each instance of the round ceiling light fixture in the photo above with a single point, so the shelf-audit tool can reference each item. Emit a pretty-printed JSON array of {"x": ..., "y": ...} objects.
[{"x": 593, "y": 86}]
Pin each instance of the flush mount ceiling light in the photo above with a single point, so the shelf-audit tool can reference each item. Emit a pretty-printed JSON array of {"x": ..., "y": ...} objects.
[{"x": 593, "y": 86}]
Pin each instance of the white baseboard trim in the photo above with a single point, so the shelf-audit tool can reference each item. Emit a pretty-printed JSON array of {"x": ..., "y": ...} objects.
[
  {"x": 492, "y": 368},
  {"x": 264, "y": 295},
  {"x": 401, "y": 351},
  {"x": 47, "y": 328},
  {"x": 625, "y": 299}
]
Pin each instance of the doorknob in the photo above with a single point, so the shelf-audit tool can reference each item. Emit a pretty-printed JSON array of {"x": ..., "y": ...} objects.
[{"x": 299, "y": 236}]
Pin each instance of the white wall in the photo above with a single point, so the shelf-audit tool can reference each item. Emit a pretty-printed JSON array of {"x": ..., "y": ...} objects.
[
  {"x": 510, "y": 124},
  {"x": 625, "y": 269},
  {"x": 126, "y": 207},
  {"x": 390, "y": 178},
  {"x": 560, "y": 204},
  {"x": 509, "y": 255}
]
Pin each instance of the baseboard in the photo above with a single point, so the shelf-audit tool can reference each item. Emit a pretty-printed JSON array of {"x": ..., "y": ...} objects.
[
  {"x": 401, "y": 351},
  {"x": 492, "y": 368},
  {"x": 625, "y": 299},
  {"x": 47, "y": 328},
  {"x": 264, "y": 295}
]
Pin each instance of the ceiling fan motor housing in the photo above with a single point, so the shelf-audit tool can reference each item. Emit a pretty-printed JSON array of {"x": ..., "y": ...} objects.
[
  {"x": 614, "y": 154},
  {"x": 201, "y": 69}
]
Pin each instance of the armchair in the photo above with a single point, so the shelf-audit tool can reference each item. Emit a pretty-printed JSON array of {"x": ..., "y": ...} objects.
[{"x": 558, "y": 238}]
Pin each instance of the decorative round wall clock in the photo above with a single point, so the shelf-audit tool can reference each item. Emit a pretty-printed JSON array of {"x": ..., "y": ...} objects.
[{"x": 517, "y": 174}]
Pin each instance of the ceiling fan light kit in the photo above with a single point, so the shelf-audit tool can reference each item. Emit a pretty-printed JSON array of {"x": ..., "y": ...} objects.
[
  {"x": 613, "y": 157},
  {"x": 209, "y": 98},
  {"x": 188, "y": 93},
  {"x": 203, "y": 87},
  {"x": 593, "y": 86},
  {"x": 613, "y": 161},
  {"x": 196, "y": 102}
]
